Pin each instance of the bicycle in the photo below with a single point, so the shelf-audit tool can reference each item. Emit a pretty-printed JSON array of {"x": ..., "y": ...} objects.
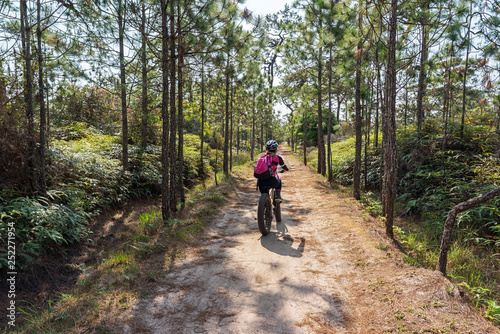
[{"x": 267, "y": 207}]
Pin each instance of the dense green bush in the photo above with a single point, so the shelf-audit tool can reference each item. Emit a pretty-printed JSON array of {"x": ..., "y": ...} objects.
[
  {"x": 433, "y": 180},
  {"x": 41, "y": 225},
  {"x": 343, "y": 160}
]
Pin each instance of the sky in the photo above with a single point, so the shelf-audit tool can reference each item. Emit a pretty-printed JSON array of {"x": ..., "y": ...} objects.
[{"x": 263, "y": 7}]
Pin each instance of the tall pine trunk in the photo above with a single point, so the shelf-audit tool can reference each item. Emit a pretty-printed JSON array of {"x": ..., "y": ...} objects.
[
  {"x": 447, "y": 102},
  {"x": 165, "y": 166},
  {"x": 238, "y": 137},
  {"x": 123, "y": 88},
  {"x": 180, "y": 111},
  {"x": 339, "y": 102},
  {"x": 231, "y": 130},
  {"x": 202, "y": 132},
  {"x": 144, "y": 70},
  {"x": 304, "y": 128},
  {"x": 47, "y": 112},
  {"x": 367, "y": 139},
  {"x": 423, "y": 74},
  {"x": 464, "y": 88},
  {"x": 406, "y": 103},
  {"x": 43, "y": 185},
  {"x": 356, "y": 191},
  {"x": 389, "y": 128},
  {"x": 225, "y": 163},
  {"x": 262, "y": 135},
  {"x": 378, "y": 104},
  {"x": 329, "y": 160},
  {"x": 253, "y": 128},
  {"x": 172, "y": 114},
  {"x": 28, "y": 92},
  {"x": 321, "y": 138}
]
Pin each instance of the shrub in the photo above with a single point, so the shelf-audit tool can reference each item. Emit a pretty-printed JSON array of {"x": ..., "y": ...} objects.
[{"x": 40, "y": 226}]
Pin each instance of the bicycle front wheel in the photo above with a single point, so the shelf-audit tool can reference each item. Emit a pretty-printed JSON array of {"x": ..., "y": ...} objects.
[
  {"x": 264, "y": 214},
  {"x": 277, "y": 212}
]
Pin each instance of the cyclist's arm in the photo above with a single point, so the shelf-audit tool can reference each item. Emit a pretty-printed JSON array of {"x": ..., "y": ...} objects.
[{"x": 282, "y": 163}]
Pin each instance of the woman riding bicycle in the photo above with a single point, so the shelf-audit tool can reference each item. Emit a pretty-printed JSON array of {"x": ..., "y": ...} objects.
[{"x": 274, "y": 181}]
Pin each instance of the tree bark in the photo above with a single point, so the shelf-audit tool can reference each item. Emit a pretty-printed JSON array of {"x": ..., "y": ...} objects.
[
  {"x": 173, "y": 112},
  {"x": 292, "y": 128},
  {"x": 202, "y": 133},
  {"x": 422, "y": 76},
  {"x": 123, "y": 91},
  {"x": 47, "y": 112},
  {"x": 321, "y": 138},
  {"x": 28, "y": 92},
  {"x": 378, "y": 104},
  {"x": 346, "y": 113},
  {"x": 253, "y": 128},
  {"x": 356, "y": 191},
  {"x": 238, "y": 137},
  {"x": 329, "y": 136},
  {"x": 262, "y": 135},
  {"x": 339, "y": 102},
  {"x": 464, "y": 89},
  {"x": 231, "y": 130},
  {"x": 304, "y": 128},
  {"x": 165, "y": 184},
  {"x": 43, "y": 184},
  {"x": 406, "y": 103},
  {"x": 26, "y": 39},
  {"x": 450, "y": 223},
  {"x": 144, "y": 100},
  {"x": 367, "y": 114},
  {"x": 446, "y": 107},
  {"x": 225, "y": 163},
  {"x": 389, "y": 126},
  {"x": 180, "y": 110}
]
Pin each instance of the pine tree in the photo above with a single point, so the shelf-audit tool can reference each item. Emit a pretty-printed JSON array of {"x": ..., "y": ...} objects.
[
  {"x": 389, "y": 127},
  {"x": 41, "y": 94}
]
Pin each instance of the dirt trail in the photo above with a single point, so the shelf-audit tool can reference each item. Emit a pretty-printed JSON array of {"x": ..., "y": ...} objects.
[{"x": 321, "y": 270}]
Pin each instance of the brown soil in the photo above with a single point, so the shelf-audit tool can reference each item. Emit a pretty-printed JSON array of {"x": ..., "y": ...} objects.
[{"x": 326, "y": 268}]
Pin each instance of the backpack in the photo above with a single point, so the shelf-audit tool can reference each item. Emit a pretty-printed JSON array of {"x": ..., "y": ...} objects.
[{"x": 263, "y": 170}]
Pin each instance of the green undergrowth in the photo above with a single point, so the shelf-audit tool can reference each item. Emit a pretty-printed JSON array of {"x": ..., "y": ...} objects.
[
  {"x": 85, "y": 176},
  {"x": 431, "y": 181},
  {"x": 126, "y": 269}
]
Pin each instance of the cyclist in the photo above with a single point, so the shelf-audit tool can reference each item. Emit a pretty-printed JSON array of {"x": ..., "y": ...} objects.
[{"x": 274, "y": 181}]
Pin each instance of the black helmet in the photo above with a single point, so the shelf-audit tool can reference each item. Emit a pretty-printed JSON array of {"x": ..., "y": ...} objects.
[{"x": 272, "y": 145}]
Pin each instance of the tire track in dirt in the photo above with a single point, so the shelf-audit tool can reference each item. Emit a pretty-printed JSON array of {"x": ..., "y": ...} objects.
[{"x": 318, "y": 271}]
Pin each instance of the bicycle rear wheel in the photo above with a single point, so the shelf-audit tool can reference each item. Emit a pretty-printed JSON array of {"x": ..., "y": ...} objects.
[{"x": 264, "y": 214}]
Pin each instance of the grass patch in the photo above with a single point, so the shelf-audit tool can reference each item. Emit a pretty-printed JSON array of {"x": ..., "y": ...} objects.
[{"x": 383, "y": 247}]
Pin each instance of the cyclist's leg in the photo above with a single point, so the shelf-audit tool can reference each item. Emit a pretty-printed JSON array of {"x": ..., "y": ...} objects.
[
  {"x": 278, "y": 186},
  {"x": 277, "y": 189}
]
